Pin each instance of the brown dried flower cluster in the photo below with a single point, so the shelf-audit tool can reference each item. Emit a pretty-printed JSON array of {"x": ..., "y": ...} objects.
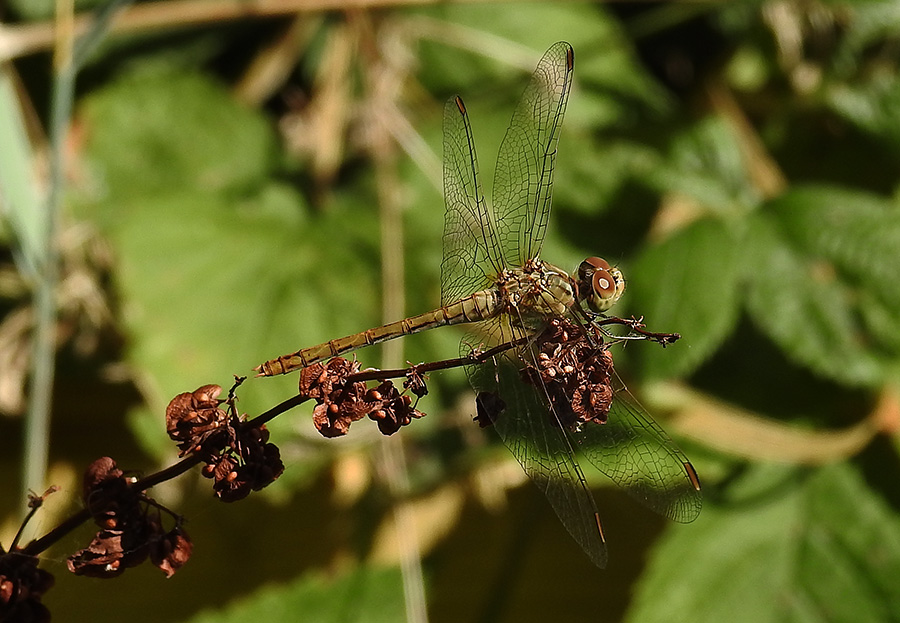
[
  {"x": 192, "y": 418},
  {"x": 22, "y": 585},
  {"x": 131, "y": 527},
  {"x": 340, "y": 402},
  {"x": 575, "y": 373},
  {"x": 239, "y": 458}
]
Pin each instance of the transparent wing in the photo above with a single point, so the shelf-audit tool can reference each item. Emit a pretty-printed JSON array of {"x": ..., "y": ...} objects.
[
  {"x": 523, "y": 180},
  {"x": 471, "y": 249},
  {"x": 544, "y": 451},
  {"x": 637, "y": 455}
]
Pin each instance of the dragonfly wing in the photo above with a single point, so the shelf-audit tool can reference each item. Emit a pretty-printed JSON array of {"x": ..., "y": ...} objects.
[
  {"x": 637, "y": 455},
  {"x": 523, "y": 180},
  {"x": 543, "y": 449},
  {"x": 471, "y": 249}
]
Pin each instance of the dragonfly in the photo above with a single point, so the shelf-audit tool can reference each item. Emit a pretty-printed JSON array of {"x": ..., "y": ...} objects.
[{"x": 550, "y": 394}]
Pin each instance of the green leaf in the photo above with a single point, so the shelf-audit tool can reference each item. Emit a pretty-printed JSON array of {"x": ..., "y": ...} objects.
[
  {"x": 197, "y": 278},
  {"x": 364, "y": 595},
  {"x": 688, "y": 284},
  {"x": 219, "y": 267},
  {"x": 859, "y": 232},
  {"x": 590, "y": 173},
  {"x": 874, "y": 106},
  {"x": 882, "y": 319},
  {"x": 805, "y": 307},
  {"x": 157, "y": 131},
  {"x": 706, "y": 164},
  {"x": 491, "y": 31},
  {"x": 20, "y": 203},
  {"x": 820, "y": 548},
  {"x": 874, "y": 22},
  {"x": 220, "y": 272},
  {"x": 213, "y": 290}
]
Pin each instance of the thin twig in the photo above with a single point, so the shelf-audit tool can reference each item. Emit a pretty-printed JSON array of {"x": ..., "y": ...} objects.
[
  {"x": 68, "y": 525},
  {"x": 74, "y": 521},
  {"x": 476, "y": 357},
  {"x": 35, "y": 502},
  {"x": 636, "y": 327}
]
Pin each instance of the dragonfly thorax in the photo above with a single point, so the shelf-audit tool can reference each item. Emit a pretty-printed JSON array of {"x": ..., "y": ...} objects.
[{"x": 536, "y": 290}]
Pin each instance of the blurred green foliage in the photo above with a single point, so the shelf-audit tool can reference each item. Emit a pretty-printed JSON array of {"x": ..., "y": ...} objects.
[
  {"x": 368, "y": 596},
  {"x": 794, "y": 552},
  {"x": 738, "y": 160}
]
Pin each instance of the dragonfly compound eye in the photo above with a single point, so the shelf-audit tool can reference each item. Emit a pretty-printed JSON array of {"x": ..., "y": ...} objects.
[
  {"x": 598, "y": 262},
  {"x": 589, "y": 265},
  {"x": 600, "y": 283},
  {"x": 603, "y": 284}
]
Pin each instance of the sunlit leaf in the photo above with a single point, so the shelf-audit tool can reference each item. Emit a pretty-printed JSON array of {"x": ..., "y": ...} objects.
[
  {"x": 859, "y": 232},
  {"x": 688, "y": 284},
  {"x": 222, "y": 272},
  {"x": 472, "y": 60},
  {"x": 486, "y": 59},
  {"x": 364, "y": 595},
  {"x": 20, "y": 203},
  {"x": 707, "y": 165},
  {"x": 821, "y": 547},
  {"x": 873, "y": 106},
  {"x": 156, "y": 131},
  {"x": 805, "y": 307}
]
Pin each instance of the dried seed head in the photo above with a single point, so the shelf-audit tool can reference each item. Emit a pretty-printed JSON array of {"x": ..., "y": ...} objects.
[
  {"x": 191, "y": 418},
  {"x": 341, "y": 402},
  {"x": 22, "y": 584},
  {"x": 574, "y": 372},
  {"x": 415, "y": 383},
  {"x": 238, "y": 458},
  {"x": 172, "y": 551}
]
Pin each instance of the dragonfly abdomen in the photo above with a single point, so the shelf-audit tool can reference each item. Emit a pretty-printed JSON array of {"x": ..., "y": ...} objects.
[{"x": 478, "y": 306}]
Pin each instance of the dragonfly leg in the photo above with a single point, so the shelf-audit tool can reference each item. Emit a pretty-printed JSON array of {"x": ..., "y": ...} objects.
[{"x": 585, "y": 318}]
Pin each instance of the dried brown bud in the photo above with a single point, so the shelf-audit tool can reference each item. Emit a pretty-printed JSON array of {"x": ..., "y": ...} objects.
[
  {"x": 102, "y": 558},
  {"x": 22, "y": 584},
  {"x": 415, "y": 383},
  {"x": 171, "y": 552},
  {"x": 394, "y": 410},
  {"x": 574, "y": 372}
]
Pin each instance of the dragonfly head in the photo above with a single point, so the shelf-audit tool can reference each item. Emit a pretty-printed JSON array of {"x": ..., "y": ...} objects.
[{"x": 599, "y": 284}]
